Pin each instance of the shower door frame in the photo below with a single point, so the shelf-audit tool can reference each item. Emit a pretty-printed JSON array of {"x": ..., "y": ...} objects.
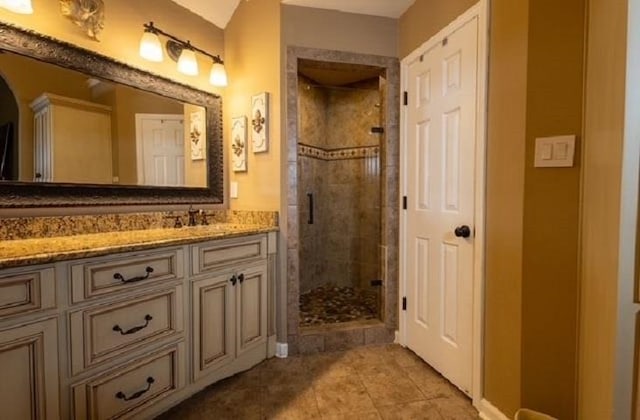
[{"x": 390, "y": 182}]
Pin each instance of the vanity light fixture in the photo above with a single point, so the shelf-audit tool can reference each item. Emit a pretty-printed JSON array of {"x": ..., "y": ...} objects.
[
  {"x": 188, "y": 63},
  {"x": 151, "y": 49},
  {"x": 23, "y": 7},
  {"x": 150, "y": 46},
  {"x": 218, "y": 76}
]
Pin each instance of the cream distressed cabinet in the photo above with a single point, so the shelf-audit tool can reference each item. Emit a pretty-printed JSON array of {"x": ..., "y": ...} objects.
[
  {"x": 28, "y": 345},
  {"x": 129, "y": 335},
  {"x": 229, "y": 305}
]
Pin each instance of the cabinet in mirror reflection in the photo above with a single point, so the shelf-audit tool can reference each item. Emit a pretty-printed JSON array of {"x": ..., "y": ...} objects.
[{"x": 62, "y": 126}]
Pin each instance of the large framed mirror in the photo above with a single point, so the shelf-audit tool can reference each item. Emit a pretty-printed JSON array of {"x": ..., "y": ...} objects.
[{"x": 81, "y": 129}]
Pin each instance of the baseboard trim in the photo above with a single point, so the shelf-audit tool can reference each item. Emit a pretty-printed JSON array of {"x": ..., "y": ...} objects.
[
  {"x": 282, "y": 350},
  {"x": 490, "y": 412}
]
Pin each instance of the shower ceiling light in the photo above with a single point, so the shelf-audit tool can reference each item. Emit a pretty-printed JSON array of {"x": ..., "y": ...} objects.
[{"x": 151, "y": 49}]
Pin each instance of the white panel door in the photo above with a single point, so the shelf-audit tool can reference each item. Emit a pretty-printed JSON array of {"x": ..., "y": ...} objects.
[
  {"x": 163, "y": 150},
  {"x": 439, "y": 174}
]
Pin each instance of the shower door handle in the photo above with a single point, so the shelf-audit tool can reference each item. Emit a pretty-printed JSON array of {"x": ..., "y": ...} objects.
[{"x": 310, "y": 196}]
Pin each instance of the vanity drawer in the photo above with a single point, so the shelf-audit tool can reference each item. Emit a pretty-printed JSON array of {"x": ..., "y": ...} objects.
[
  {"x": 125, "y": 392},
  {"x": 104, "y": 276},
  {"x": 213, "y": 255},
  {"x": 22, "y": 292},
  {"x": 101, "y": 332}
]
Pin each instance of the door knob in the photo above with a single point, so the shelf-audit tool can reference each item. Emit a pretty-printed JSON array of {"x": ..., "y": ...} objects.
[{"x": 463, "y": 231}]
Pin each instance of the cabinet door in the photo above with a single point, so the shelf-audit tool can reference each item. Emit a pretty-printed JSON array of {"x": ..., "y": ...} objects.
[
  {"x": 251, "y": 301},
  {"x": 213, "y": 324},
  {"x": 29, "y": 366}
]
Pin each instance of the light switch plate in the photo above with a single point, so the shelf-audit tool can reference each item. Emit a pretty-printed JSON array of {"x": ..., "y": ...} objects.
[
  {"x": 555, "y": 152},
  {"x": 233, "y": 189}
]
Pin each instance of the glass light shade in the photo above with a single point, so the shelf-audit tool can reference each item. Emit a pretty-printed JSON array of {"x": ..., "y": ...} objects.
[
  {"x": 187, "y": 63},
  {"x": 150, "y": 47},
  {"x": 18, "y": 6},
  {"x": 218, "y": 76}
]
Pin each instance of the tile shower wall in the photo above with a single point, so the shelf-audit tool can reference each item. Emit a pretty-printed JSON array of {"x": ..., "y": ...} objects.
[{"x": 339, "y": 163}]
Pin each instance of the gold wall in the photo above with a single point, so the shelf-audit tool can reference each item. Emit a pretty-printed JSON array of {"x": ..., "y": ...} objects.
[
  {"x": 252, "y": 47},
  {"x": 334, "y": 30},
  {"x": 603, "y": 156},
  {"x": 551, "y": 209},
  {"x": 425, "y": 18},
  {"x": 505, "y": 203}
]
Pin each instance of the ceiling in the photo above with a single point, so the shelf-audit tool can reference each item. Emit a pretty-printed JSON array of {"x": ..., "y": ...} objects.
[
  {"x": 219, "y": 12},
  {"x": 330, "y": 74}
]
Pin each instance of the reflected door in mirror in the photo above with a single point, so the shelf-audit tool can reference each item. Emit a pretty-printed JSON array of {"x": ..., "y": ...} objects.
[{"x": 162, "y": 150}]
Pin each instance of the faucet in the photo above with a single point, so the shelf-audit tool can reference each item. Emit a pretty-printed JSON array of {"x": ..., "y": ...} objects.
[
  {"x": 203, "y": 218},
  {"x": 177, "y": 219},
  {"x": 192, "y": 216}
]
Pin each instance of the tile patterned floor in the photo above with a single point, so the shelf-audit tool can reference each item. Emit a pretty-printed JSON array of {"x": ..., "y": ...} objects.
[
  {"x": 332, "y": 304},
  {"x": 378, "y": 382}
]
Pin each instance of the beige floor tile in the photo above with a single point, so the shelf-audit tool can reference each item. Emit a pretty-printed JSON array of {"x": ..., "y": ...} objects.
[
  {"x": 345, "y": 385},
  {"x": 430, "y": 382},
  {"x": 403, "y": 356},
  {"x": 421, "y": 410},
  {"x": 370, "y": 415},
  {"x": 328, "y": 365},
  {"x": 289, "y": 402},
  {"x": 372, "y": 360},
  {"x": 341, "y": 395},
  {"x": 233, "y": 403},
  {"x": 455, "y": 408},
  {"x": 391, "y": 388},
  {"x": 291, "y": 370}
]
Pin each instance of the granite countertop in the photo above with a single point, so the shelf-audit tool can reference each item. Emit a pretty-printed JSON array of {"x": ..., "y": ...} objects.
[{"x": 14, "y": 253}]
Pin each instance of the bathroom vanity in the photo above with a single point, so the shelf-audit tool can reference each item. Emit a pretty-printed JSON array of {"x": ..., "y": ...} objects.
[{"x": 128, "y": 324}]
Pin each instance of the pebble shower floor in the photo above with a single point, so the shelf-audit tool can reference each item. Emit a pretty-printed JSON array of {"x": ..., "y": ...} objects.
[{"x": 334, "y": 304}]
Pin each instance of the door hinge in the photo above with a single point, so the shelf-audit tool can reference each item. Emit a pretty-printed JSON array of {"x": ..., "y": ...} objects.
[
  {"x": 406, "y": 98},
  {"x": 404, "y": 203},
  {"x": 404, "y": 303}
]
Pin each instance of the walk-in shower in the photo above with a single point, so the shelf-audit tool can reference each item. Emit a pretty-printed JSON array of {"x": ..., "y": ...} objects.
[{"x": 340, "y": 134}]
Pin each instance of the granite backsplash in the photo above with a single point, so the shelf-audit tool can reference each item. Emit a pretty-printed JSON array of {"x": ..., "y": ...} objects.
[{"x": 55, "y": 226}]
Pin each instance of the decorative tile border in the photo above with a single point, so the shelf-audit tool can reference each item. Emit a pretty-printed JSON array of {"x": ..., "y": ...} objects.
[{"x": 338, "y": 154}]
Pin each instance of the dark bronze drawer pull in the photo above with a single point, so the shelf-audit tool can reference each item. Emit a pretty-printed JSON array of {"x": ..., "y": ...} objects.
[
  {"x": 133, "y": 330},
  {"x": 121, "y": 396},
  {"x": 233, "y": 280},
  {"x": 241, "y": 278},
  {"x": 119, "y": 276}
]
